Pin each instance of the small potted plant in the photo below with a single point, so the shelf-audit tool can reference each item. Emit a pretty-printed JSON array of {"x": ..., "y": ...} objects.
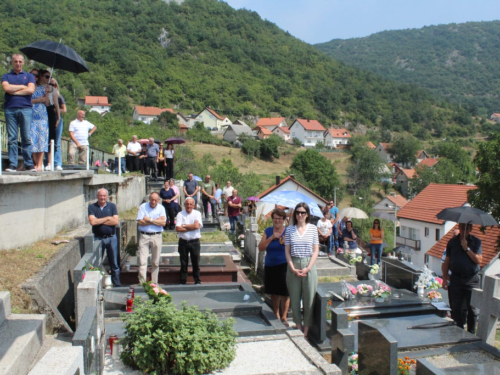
[
  {"x": 434, "y": 296},
  {"x": 378, "y": 295},
  {"x": 241, "y": 237},
  {"x": 364, "y": 290}
]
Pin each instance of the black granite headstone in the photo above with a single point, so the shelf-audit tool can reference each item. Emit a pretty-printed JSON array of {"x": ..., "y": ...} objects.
[{"x": 377, "y": 351}]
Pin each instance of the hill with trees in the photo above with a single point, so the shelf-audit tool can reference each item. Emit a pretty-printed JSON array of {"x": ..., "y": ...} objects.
[
  {"x": 457, "y": 61},
  {"x": 204, "y": 53}
]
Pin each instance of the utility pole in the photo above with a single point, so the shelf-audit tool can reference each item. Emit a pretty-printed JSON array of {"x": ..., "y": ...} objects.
[{"x": 335, "y": 196}]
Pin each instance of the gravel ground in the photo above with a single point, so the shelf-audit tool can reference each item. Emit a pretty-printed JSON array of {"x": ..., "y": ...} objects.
[
  {"x": 471, "y": 357},
  {"x": 252, "y": 358}
]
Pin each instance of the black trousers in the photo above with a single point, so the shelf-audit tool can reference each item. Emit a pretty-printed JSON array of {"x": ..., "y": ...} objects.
[
  {"x": 162, "y": 170},
  {"x": 133, "y": 163},
  {"x": 207, "y": 202},
  {"x": 460, "y": 296},
  {"x": 151, "y": 167},
  {"x": 187, "y": 249},
  {"x": 170, "y": 168},
  {"x": 170, "y": 217}
]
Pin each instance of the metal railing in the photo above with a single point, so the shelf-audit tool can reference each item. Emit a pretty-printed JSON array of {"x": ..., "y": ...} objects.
[{"x": 415, "y": 244}]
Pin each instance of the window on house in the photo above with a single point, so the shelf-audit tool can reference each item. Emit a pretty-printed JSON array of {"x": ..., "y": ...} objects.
[
  {"x": 426, "y": 259},
  {"x": 412, "y": 233},
  {"x": 438, "y": 234},
  {"x": 426, "y": 232},
  {"x": 293, "y": 134}
]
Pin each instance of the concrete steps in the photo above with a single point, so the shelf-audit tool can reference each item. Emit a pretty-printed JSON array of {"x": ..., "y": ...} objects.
[{"x": 22, "y": 336}]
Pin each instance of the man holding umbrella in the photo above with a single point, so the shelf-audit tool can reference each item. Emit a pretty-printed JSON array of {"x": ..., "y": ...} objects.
[
  {"x": 463, "y": 256},
  {"x": 18, "y": 86}
]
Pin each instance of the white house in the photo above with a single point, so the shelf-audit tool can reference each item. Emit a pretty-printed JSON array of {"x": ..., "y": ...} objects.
[
  {"x": 309, "y": 132},
  {"x": 287, "y": 184},
  {"x": 383, "y": 152},
  {"x": 420, "y": 229},
  {"x": 336, "y": 137},
  {"x": 232, "y": 132},
  {"x": 97, "y": 104},
  {"x": 490, "y": 265},
  {"x": 495, "y": 117},
  {"x": 283, "y": 132},
  {"x": 390, "y": 202},
  {"x": 211, "y": 119},
  {"x": 271, "y": 122},
  {"x": 403, "y": 179},
  {"x": 148, "y": 114}
]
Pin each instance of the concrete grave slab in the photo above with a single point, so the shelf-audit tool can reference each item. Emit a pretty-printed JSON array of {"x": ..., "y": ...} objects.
[{"x": 60, "y": 361}]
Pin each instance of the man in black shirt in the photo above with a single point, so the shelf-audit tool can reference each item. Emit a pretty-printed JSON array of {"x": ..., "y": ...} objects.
[
  {"x": 463, "y": 256},
  {"x": 103, "y": 216}
]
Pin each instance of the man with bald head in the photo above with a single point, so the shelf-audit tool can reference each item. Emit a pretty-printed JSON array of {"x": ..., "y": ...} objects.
[
  {"x": 152, "y": 152},
  {"x": 103, "y": 216},
  {"x": 120, "y": 151},
  {"x": 79, "y": 132},
  {"x": 18, "y": 86},
  {"x": 188, "y": 224}
]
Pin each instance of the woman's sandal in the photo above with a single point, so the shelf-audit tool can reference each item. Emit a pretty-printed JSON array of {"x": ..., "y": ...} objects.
[{"x": 285, "y": 323}]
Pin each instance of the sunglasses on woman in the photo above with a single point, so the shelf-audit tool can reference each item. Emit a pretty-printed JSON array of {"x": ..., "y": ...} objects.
[{"x": 301, "y": 212}]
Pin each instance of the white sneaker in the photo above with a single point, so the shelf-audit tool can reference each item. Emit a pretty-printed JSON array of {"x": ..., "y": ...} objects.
[
  {"x": 11, "y": 170},
  {"x": 47, "y": 168},
  {"x": 58, "y": 168}
]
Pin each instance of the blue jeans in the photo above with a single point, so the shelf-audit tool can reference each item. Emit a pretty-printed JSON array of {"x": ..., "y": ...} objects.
[
  {"x": 124, "y": 164},
  {"x": 19, "y": 118},
  {"x": 375, "y": 249},
  {"x": 57, "y": 152},
  {"x": 232, "y": 221},
  {"x": 110, "y": 244}
]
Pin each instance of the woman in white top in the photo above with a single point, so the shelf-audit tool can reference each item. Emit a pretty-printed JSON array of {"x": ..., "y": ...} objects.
[
  {"x": 301, "y": 250},
  {"x": 169, "y": 159}
]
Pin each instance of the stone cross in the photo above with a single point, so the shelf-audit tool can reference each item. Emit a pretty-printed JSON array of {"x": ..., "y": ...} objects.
[{"x": 488, "y": 301}]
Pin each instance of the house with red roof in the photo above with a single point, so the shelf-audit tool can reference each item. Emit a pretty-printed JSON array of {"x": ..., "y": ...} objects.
[
  {"x": 490, "y": 264},
  {"x": 283, "y": 132},
  {"x": 403, "y": 179},
  {"x": 309, "y": 132},
  {"x": 390, "y": 202},
  {"x": 371, "y": 145},
  {"x": 263, "y": 132},
  {"x": 211, "y": 119},
  {"x": 336, "y": 137},
  {"x": 429, "y": 162},
  {"x": 495, "y": 117},
  {"x": 421, "y": 155},
  {"x": 271, "y": 122},
  {"x": 97, "y": 104},
  {"x": 420, "y": 228},
  {"x": 148, "y": 114},
  {"x": 287, "y": 184},
  {"x": 384, "y": 153}
]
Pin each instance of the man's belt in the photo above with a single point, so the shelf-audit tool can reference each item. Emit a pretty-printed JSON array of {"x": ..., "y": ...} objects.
[
  {"x": 105, "y": 236},
  {"x": 150, "y": 233},
  {"x": 189, "y": 241}
]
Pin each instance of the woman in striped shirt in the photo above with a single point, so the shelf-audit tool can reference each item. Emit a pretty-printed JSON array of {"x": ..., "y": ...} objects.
[{"x": 301, "y": 249}]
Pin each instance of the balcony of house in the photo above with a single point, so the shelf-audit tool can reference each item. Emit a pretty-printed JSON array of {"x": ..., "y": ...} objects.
[{"x": 414, "y": 244}]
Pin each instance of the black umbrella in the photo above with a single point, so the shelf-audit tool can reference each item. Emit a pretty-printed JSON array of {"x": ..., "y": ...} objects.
[
  {"x": 56, "y": 55},
  {"x": 175, "y": 141},
  {"x": 467, "y": 215}
]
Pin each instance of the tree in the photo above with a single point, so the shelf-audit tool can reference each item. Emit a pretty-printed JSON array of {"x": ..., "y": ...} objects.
[
  {"x": 316, "y": 172},
  {"x": 269, "y": 147},
  {"x": 404, "y": 149},
  {"x": 251, "y": 148},
  {"x": 168, "y": 120},
  {"x": 366, "y": 168},
  {"x": 487, "y": 195}
]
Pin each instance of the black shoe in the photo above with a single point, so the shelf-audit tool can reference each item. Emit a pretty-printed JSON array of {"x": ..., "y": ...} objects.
[
  {"x": 198, "y": 282},
  {"x": 182, "y": 283}
]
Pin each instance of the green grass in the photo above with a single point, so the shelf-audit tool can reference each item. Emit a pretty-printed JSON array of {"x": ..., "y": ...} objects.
[{"x": 209, "y": 237}]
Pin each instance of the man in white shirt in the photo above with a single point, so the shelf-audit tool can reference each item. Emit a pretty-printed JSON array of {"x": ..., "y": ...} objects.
[
  {"x": 151, "y": 219},
  {"x": 133, "y": 151},
  {"x": 120, "y": 151},
  {"x": 79, "y": 132},
  {"x": 188, "y": 224},
  {"x": 226, "y": 193}
]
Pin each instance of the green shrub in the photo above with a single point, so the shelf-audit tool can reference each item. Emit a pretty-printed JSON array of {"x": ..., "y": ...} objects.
[{"x": 161, "y": 339}]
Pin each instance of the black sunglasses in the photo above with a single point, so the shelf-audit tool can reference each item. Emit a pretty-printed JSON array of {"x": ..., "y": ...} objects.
[{"x": 301, "y": 212}]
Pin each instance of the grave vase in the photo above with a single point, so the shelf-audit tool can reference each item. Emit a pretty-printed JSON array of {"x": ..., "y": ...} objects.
[
  {"x": 106, "y": 282},
  {"x": 380, "y": 299},
  {"x": 420, "y": 291}
]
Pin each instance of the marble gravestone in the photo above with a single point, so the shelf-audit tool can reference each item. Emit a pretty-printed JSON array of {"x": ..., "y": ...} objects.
[
  {"x": 377, "y": 351},
  {"x": 488, "y": 302}
]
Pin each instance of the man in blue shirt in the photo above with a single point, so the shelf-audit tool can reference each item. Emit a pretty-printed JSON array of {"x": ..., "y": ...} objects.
[
  {"x": 103, "y": 216},
  {"x": 18, "y": 86},
  {"x": 334, "y": 241},
  {"x": 152, "y": 152}
]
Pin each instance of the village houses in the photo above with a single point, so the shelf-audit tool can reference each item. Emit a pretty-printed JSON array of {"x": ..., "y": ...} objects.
[
  {"x": 336, "y": 137},
  {"x": 283, "y": 132},
  {"x": 308, "y": 132},
  {"x": 97, "y": 104},
  {"x": 271, "y": 122},
  {"x": 148, "y": 114}
]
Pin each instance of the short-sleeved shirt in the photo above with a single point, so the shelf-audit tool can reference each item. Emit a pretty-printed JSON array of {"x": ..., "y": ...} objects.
[
  {"x": 61, "y": 100},
  {"x": 376, "y": 233},
  {"x": 108, "y": 210},
  {"x": 153, "y": 213},
  {"x": 119, "y": 151},
  {"x": 218, "y": 193},
  {"x": 227, "y": 191},
  {"x": 176, "y": 190},
  {"x": 275, "y": 251},
  {"x": 22, "y": 78},
  {"x": 190, "y": 186},
  {"x": 152, "y": 150},
  {"x": 324, "y": 226},
  {"x": 184, "y": 218},
  {"x": 352, "y": 244},
  {"x": 80, "y": 131},
  {"x": 233, "y": 211},
  {"x": 169, "y": 154},
  {"x": 461, "y": 265},
  {"x": 301, "y": 246},
  {"x": 334, "y": 211},
  {"x": 209, "y": 187},
  {"x": 134, "y": 147},
  {"x": 167, "y": 194}
]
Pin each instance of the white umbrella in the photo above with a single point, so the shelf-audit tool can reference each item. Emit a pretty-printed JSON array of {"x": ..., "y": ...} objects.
[{"x": 353, "y": 213}]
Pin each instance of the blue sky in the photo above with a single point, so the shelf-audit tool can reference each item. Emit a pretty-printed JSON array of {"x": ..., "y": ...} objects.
[{"x": 316, "y": 21}]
